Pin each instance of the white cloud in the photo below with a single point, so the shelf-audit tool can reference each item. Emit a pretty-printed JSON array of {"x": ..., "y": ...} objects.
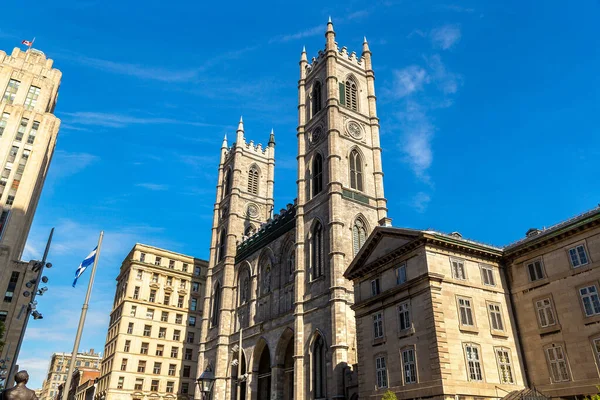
[
  {"x": 409, "y": 80},
  {"x": 314, "y": 31},
  {"x": 113, "y": 120},
  {"x": 416, "y": 139},
  {"x": 420, "y": 201},
  {"x": 152, "y": 186},
  {"x": 445, "y": 36},
  {"x": 66, "y": 164},
  {"x": 448, "y": 82}
]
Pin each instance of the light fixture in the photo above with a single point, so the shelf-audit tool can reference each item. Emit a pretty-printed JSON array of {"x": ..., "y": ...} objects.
[
  {"x": 37, "y": 315},
  {"x": 45, "y": 279},
  {"x": 206, "y": 381}
]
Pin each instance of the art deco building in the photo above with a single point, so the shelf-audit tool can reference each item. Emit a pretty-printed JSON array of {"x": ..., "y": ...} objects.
[
  {"x": 60, "y": 366},
  {"x": 28, "y": 129},
  {"x": 152, "y": 342},
  {"x": 442, "y": 317}
]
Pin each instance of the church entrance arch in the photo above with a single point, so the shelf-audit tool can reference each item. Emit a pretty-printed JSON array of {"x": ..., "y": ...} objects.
[{"x": 264, "y": 375}]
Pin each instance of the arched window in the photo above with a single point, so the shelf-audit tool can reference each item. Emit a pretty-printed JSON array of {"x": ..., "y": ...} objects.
[
  {"x": 356, "y": 175},
  {"x": 214, "y": 319},
  {"x": 316, "y": 97},
  {"x": 253, "y": 180},
  {"x": 359, "y": 235},
  {"x": 318, "y": 368},
  {"x": 349, "y": 94},
  {"x": 221, "y": 245},
  {"x": 317, "y": 181},
  {"x": 227, "y": 183},
  {"x": 317, "y": 250}
]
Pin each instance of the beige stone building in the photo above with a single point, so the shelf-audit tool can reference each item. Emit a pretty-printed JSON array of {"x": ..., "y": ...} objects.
[
  {"x": 59, "y": 367},
  {"x": 439, "y": 316},
  {"x": 152, "y": 342},
  {"x": 28, "y": 129},
  {"x": 278, "y": 321}
]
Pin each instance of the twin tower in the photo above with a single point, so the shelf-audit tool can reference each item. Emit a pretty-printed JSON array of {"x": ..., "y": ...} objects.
[{"x": 277, "y": 321}]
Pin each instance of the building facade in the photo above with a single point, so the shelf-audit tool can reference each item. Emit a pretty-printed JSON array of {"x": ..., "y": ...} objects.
[
  {"x": 278, "y": 321},
  {"x": 28, "y": 130},
  {"x": 60, "y": 366},
  {"x": 82, "y": 376},
  {"x": 443, "y": 317},
  {"x": 152, "y": 342}
]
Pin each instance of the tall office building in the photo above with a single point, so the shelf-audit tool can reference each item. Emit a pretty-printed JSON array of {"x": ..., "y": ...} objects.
[
  {"x": 59, "y": 368},
  {"x": 152, "y": 342},
  {"x": 28, "y": 130}
]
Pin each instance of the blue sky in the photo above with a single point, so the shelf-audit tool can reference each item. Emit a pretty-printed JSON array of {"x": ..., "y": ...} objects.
[{"x": 489, "y": 121}]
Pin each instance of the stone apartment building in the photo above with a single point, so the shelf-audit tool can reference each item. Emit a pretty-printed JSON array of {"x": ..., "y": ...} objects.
[
  {"x": 278, "y": 321},
  {"x": 439, "y": 316},
  {"x": 152, "y": 342},
  {"x": 60, "y": 366},
  {"x": 28, "y": 130},
  {"x": 82, "y": 376}
]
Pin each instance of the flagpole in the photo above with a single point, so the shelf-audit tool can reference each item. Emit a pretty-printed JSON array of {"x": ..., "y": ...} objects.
[{"x": 84, "y": 309}]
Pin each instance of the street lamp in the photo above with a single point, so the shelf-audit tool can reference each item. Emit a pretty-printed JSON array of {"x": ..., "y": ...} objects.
[{"x": 206, "y": 381}]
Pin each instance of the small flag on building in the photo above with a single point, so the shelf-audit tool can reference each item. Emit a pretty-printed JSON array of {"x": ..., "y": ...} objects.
[
  {"x": 89, "y": 260},
  {"x": 27, "y": 43}
]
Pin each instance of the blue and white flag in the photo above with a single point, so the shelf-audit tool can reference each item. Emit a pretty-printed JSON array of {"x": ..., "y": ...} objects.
[{"x": 89, "y": 260}]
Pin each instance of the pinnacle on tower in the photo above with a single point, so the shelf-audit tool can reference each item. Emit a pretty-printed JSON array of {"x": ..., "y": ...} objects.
[
  {"x": 272, "y": 139},
  {"x": 303, "y": 55},
  {"x": 240, "y": 132},
  {"x": 329, "y": 25},
  {"x": 365, "y": 48},
  {"x": 224, "y": 145}
]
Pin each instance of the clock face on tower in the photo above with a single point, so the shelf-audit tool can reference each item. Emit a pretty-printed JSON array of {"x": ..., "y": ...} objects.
[
  {"x": 354, "y": 129},
  {"x": 252, "y": 210}
]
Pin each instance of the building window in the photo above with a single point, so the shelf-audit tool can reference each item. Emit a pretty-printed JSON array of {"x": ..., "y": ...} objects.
[
  {"x": 164, "y": 316},
  {"x": 33, "y": 132},
  {"x": 227, "y": 183},
  {"x": 359, "y": 235},
  {"x": 162, "y": 333},
  {"x": 504, "y": 365},
  {"x": 545, "y": 312},
  {"x": 536, "y": 272},
  {"x": 381, "y": 372},
  {"x": 401, "y": 274},
  {"x": 12, "y": 284},
  {"x": 222, "y": 245},
  {"x": 178, "y": 318},
  {"x": 130, "y": 328},
  {"x": 409, "y": 365},
  {"x": 487, "y": 274},
  {"x": 590, "y": 300},
  {"x": 495, "y": 316},
  {"x": 188, "y": 355},
  {"x": 157, "y": 368},
  {"x": 120, "y": 381},
  {"x": 140, "y": 274},
  {"x": 3, "y": 122},
  {"x": 378, "y": 325},
  {"x": 11, "y": 91},
  {"x": 32, "y": 97},
  {"x": 578, "y": 256},
  {"x": 3, "y": 315},
  {"x": 144, "y": 348},
  {"x": 22, "y": 129},
  {"x": 152, "y": 297},
  {"x": 172, "y": 368},
  {"x": 195, "y": 287},
  {"x": 169, "y": 280},
  {"x": 141, "y": 366},
  {"x": 176, "y": 334},
  {"x": 174, "y": 352},
  {"x": 253, "y": 180},
  {"x": 190, "y": 337},
  {"x": 157, "y": 261},
  {"x": 317, "y": 250},
  {"x": 12, "y": 155},
  {"x": 472, "y": 355},
  {"x": 150, "y": 313},
  {"x": 404, "y": 316},
  {"x": 349, "y": 94},
  {"x": 167, "y": 299},
  {"x": 185, "y": 388},
  {"x": 182, "y": 284},
  {"x": 317, "y": 181},
  {"x": 458, "y": 269},
  {"x": 356, "y": 172},
  {"x": 124, "y": 364},
  {"x": 127, "y": 346},
  {"x": 558, "y": 364},
  {"x": 139, "y": 384},
  {"x": 170, "y": 386},
  {"x": 375, "y": 287},
  {"x": 136, "y": 292},
  {"x": 465, "y": 311},
  {"x": 180, "y": 302},
  {"x": 143, "y": 257},
  {"x": 192, "y": 321},
  {"x": 186, "y": 371},
  {"x": 154, "y": 385},
  {"x": 196, "y": 270},
  {"x": 596, "y": 345},
  {"x": 171, "y": 264},
  {"x": 155, "y": 275},
  {"x": 316, "y": 97},
  {"x": 319, "y": 372},
  {"x": 160, "y": 348}
]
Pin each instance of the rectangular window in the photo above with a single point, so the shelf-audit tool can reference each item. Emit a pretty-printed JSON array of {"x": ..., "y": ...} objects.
[
  {"x": 404, "y": 316},
  {"x": 155, "y": 278},
  {"x": 169, "y": 280},
  {"x": 190, "y": 337},
  {"x": 185, "y": 388},
  {"x": 12, "y": 284},
  {"x": 3, "y": 219},
  {"x": 136, "y": 292},
  {"x": 186, "y": 371},
  {"x": 12, "y": 155},
  {"x": 183, "y": 284},
  {"x": 22, "y": 128},
  {"x": 171, "y": 264},
  {"x": 590, "y": 300},
  {"x": 409, "y": 365},
  {"x": 381, "y": 372},
  {"x": 188, "y": 354},
  {"x": 174, "y": 352},
  {"x": 465, "y": 311},
  {"x": 11, "y": 91},
  {"x": 401, "y": 274},
  {"x": 141, "y": 366},
  {"x": 162, "y": 333},
  {"x": 160, "y": 349},
  {"x": 378, "y": 325},
  {"x": 3, "y": 122},
  {"x": 147, "y": 330},
  {"x": 504, "y": 365},
  {"x": 133, "y": 311},
  {"x": 458, "y": 269},
  {"x": 196, "y": 270},
  {"x": 495, "y": 316},
  {"x": 578, "y": 256},
  {"x": 194, "y": 304},
  {"x": 142, "y": 257},
  {"x": 167, "y": 299},
  {"x": 33, "y": 132},
  {"x": 144, "y": 348},
  {"x": 170, "y": 386},
  {"x": 195, "y": 287},
  {"x": 178, "y": 318},
  {"x": 3, "y": 315},
  {"x": 156, "y": 369},
  {"x": 124, "y": 364},
  {"x": 152, "y": 297},
  {"x": 130, "y": 328},
  {"x": 127, "y": 346},
  {"x": 139, "y": 384},
  {"x": 32, "y": 97},
  {"x": 154, "y": 385},
  {"x": 172, "y": 369},
  {"x": 545, "y": 312},
  {"x": 164, "y": 316},
  {"x": 558, "y": 364},
  {"x": 487, "y": 274},
  {"x": 176, "y": 334},
  {"x": 157, "y": 261},
  {"x": 180, "y": 302},
  {"x": 474, "y": 371},
  {"x": 140, "y": 274},
  {"x": 184, "y": 267},
  {"x": 150, "y": 313},
  {"x": 375, "y": 289},
  {"x": 120, "y": 382},
  {"x": 596, "y": 344},
  {"x": 192, "y": 321},
  {"x": 536, "y": 272}
]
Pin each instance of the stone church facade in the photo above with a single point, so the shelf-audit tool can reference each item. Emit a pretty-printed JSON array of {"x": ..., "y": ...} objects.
[{"x": 278, "y": 322}]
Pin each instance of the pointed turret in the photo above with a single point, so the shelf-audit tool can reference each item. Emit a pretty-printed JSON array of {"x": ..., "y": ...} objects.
[
  {"x": 240, "y": 132},
  {"x": 272, "y": 139},
  {"x": 366, "y": 54},
  {"x": 224, "y": 145},
  {"x": 330, "y": 36},
  {"x": 303, "y": 55},
  {"x": 366, "y": 46}
]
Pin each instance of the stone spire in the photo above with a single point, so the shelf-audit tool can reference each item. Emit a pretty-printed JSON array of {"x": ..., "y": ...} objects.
[
  {"x": 366, "y": 46},
  {"x": 303, "y": 55},
  {"x": 224, "y": 145},
  {"x": 330, "y": 36},
  {"x": 272, "y": 139},
  {"x": 240, "y": 132},
  {"x": 366, "y": 54}
]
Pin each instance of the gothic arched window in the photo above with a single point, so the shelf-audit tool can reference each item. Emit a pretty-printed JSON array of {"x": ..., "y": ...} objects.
[
  {"x": 253, "y": 180},
  {"x": 359, "y": 235},
  {"x": 244, "y": 288},
  {"x": 318, "y": 367},
  {"x": 216, "y": 305},
  {"x": 350, "y": 98},
  {"x": 227, "y": 183},
  {"x": 317, "y": 181},
  {"x": 356, "y": 175},
  {"x": 317, "y": 250},
  {"x": 221, "y": 245},
  {"x": 316, "y": 97}
]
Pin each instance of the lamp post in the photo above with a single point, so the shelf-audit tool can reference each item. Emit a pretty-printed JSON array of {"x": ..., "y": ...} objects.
[{"x": 206, "y": 381}]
